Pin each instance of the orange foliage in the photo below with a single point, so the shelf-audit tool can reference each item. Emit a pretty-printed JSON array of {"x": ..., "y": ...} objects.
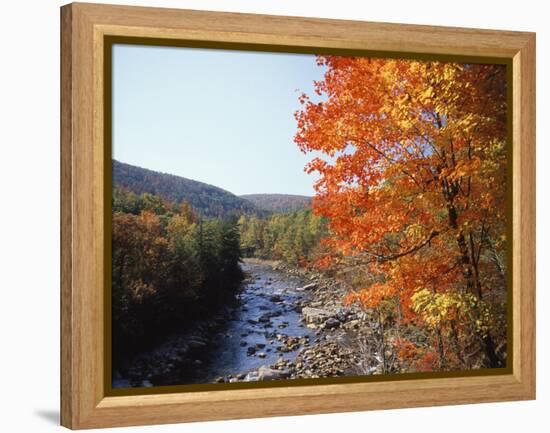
[
  {"x": 428, "y": 362},
  {"x": 412, "y": 178},
  {"x": 405, "y": 348}
]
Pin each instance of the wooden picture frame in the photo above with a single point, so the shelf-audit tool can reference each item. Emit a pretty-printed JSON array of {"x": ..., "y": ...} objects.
[{"x": 84, "y": 30}]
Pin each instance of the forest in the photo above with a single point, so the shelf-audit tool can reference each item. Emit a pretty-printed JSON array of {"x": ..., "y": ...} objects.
[
  {"x": 169, "y": 267},
  {"x": 281, "y": 203},
  {"x": 409, "y": 215},
  {"x": 293, "y": 237}
]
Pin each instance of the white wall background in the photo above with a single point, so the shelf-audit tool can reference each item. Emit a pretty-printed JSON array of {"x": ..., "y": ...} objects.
[{"x": 29, "y": 214}]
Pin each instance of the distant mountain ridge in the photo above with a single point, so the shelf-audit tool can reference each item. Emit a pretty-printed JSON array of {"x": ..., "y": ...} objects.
[
  {"x": 279, "y": 202},
  {"x": 209, "y": 200}
]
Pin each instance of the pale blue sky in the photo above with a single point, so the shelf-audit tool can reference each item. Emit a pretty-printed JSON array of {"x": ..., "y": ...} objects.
[{"x": 221, "y": 117}]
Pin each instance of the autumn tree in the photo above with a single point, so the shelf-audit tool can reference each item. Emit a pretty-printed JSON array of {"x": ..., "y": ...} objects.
[{"x": 412, "y": 179}]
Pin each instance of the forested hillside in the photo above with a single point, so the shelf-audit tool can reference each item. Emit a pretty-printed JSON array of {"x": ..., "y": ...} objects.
[
  {"x": 279, "y": 202},
  {"x": 208, "y": 200}
]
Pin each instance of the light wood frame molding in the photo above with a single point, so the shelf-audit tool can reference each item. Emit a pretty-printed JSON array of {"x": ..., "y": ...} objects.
[{"x": 83, "y": 400}]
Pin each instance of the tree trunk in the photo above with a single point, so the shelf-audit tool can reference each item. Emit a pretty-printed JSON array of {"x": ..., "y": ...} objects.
[
  {"x": 473, "y": 284},
  {"x": 440, "y": 349},
  {"x": 494, "y": 360}
]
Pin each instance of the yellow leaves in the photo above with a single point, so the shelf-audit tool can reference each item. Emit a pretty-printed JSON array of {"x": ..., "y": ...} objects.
[
  {"x": 433, "y": 308},
  {"x": 414, "y": 232},
  {"x": 427, "y": 95},
  {"x": 439, "y": 309},
  {"x": 463, "y": 168},
  {"x": 405, "y": 124},
  {"x": 449, "y": 72},
  {"x": 466, "y": 125},
  {"x": 404, "y": 98}
]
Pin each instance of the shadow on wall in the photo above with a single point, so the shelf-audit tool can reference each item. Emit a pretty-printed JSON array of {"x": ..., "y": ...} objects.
[{"x": 50, "y": 415}]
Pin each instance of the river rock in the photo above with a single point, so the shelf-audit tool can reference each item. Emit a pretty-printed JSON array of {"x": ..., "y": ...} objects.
[
  {"x": 316, "y": 315},
  {"x": 354, "y": 324},
  {"x": 332, "y": 323},
  {"x": 267, "y": 373},
  {"x": 310, "y": 286}
]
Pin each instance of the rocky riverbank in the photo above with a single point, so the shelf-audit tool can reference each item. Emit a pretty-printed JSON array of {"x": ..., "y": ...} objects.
[
  {"x": 341, "y": 335},
  {"x": 181, "y": 352},
  {"x": 287, "y": 323}
]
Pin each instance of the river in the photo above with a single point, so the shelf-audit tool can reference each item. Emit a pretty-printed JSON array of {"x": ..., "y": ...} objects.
[
  {"x": 268, "y": 310},
  {"x": 261, "y": 328}
]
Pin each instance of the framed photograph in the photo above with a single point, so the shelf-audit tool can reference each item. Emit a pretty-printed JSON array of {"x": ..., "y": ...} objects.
[{"x": 266, "y": 215}]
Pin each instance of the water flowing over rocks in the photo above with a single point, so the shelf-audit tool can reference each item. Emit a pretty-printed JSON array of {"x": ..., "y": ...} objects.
[{"x": 281, "y": 327}]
